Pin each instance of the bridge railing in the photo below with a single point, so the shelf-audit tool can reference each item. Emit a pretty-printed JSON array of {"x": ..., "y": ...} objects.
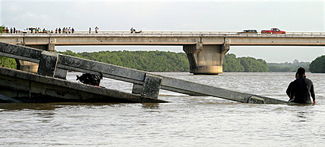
[{"x": 149, "y": 33}]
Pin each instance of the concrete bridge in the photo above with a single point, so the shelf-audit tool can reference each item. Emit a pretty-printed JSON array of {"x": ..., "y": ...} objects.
[{"x": 205, "y": 50}]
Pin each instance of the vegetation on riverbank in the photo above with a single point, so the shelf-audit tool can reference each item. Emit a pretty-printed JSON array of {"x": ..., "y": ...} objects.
[
  {"x": 288, "y": 67},
  {"x": 2, "y": 29},
  {"x": 142, "y": 60},
  {"x": 167, "y": 61},
  {"x": 7, "y": 62},
  {"x": 159, "y": 61},
  {"x": 4, "y": 61},
  {"x": 318, "y": 65},
  {"x": 244, "y": 64}
]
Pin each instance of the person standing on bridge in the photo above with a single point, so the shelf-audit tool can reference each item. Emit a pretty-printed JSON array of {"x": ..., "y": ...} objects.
[
  {"x": 301, "y": 90},
  {"x": 96, "y": 29}
]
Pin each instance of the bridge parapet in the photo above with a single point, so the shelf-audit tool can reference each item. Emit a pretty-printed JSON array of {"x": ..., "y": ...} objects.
[{"x": 162, "y": 33}]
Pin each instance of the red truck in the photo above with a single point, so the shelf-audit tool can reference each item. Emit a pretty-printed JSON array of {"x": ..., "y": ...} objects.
[{"x": 273, "y": 31}]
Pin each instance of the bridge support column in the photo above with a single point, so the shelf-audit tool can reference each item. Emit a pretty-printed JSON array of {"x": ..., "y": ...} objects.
[
  {"x": 30, "y": 66},
  {"x": 206, "y": 59}
]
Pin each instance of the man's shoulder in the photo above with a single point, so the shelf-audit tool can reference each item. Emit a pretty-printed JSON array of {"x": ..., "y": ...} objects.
[
  {"x": 292, "y": 83},
  {"x": 308, "y": 80}
]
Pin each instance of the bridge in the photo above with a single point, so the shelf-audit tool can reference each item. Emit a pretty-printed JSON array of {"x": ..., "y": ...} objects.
[{"x": 205, "y": 50}]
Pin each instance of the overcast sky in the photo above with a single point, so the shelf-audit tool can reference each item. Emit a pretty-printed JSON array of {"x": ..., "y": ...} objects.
[{"x": 213, "y": 15}]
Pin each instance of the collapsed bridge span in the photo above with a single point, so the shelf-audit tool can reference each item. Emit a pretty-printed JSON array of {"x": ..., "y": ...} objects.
[{"x": 49, "y": 81}]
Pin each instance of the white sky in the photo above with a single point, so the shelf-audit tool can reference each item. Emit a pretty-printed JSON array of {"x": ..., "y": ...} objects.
[{"x": 196, "y": 15}]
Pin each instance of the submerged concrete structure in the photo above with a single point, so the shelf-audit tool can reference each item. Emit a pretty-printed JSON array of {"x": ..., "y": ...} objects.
[
  {"x": 205, "y": 50},
  {"x": 49, "y": 84}
]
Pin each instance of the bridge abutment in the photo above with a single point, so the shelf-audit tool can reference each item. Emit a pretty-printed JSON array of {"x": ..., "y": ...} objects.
[{"x": 206, "y": 59}]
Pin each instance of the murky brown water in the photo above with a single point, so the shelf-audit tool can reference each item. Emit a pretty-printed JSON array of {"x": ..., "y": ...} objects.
[{"x": 186, "y": 121}]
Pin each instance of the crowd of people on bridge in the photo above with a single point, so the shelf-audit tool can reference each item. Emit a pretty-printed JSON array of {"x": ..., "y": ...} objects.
[
  {"x": 35, "y": 30},
  {"x": 65, "y": 30},
  {"x": 11, "y": 30}
]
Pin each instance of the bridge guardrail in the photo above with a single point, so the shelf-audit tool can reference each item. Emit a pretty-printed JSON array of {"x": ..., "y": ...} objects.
[{"x": 170, "y": 33}]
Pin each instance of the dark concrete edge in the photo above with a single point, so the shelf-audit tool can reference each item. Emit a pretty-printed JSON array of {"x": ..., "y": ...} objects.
[{"x": 77, "y": 86}]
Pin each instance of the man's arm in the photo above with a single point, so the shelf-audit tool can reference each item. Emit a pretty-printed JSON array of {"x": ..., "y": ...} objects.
[
  {"x": 312, "y": 93},
  {"x": 289, "y": 91}
]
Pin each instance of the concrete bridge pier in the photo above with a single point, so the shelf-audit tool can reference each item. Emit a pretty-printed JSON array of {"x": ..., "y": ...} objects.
[
  {"x": 206, "y": 59},
  {"x": 30, "y": 66}
]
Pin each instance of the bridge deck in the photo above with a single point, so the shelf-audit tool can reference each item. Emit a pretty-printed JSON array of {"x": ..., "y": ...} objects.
[{"x": 165, "y": 38}]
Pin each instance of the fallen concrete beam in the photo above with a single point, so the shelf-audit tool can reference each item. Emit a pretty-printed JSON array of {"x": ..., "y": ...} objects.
[
  {"x": 69, "y": 63},
  {"x": 5, "y": 99},
  {"x": 173, "y": 84},
  {"x": 29, "y": 87},
  {"x": 20, "y": 52},
  {"x": 108, "y": 70},
  {"x": 167, "y": 83}
]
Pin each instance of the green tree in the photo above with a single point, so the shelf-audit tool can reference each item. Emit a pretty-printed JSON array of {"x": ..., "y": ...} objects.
[
  {"x": 288, "y": 67},
  {"x": 244, "y": 64},
  {"x": 7, "y": 62},
  {"x": 253, "y": 65},
  {"x": 143, "y": 60},
  {"x": 159, "y": 61},
  {"x": 232, "y": 64},
  {"x": 2, "y": 29},
  {"x": 318, "y": 65}
]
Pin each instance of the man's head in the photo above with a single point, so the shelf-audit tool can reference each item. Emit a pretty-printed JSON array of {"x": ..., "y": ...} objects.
[{"x": 300, "y": 72}]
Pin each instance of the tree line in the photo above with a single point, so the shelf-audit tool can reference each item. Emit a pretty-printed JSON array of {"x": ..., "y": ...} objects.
[
  {"x": 244, "y": 64},
  {"x": 318, "y": 65},
  {"x": 167, "y": 61},
  {"x": 4, "y": 61},
  {"x": 159, "y": 61},
  {"x": 7, "y": 62},
  {"x": 288, "y": 67},
  {"x": 143, "y": 60},
  {"x": 2, "y": 29}
]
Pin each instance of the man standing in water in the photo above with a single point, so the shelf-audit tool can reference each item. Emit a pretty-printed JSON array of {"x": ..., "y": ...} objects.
[{"x": 301, "y": 90}]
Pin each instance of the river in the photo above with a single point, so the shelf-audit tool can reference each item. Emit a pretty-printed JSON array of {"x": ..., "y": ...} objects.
[{"x": 185, "y": 121}]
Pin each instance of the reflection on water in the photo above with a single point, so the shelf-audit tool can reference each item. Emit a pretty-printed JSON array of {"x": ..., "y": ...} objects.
[
  {"x": 302, "y": 116},
  {"x": 23, "y": 106},
  {"x": 150, "y": 106},
  {"x": 186, "y": 121}
]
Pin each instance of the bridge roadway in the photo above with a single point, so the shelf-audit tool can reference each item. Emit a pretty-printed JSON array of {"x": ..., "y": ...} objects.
[
  {"x": 166, "y": 38},
  {"x": 205, "y": 50}
]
